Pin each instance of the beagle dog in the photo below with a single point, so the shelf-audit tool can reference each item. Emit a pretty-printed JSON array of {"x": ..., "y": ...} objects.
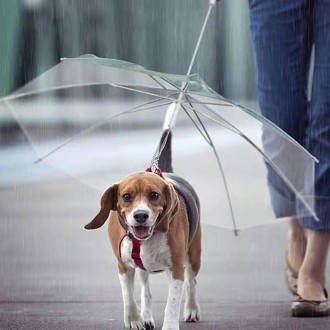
[{"x": 154, "y": 226}]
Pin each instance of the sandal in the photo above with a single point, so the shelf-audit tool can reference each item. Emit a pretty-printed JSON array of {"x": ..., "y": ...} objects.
[
  {"x": 291, "y": 276},
  {"x": 310, "y": 308}
]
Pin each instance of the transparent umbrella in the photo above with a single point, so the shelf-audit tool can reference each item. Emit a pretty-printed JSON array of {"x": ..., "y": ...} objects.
[{"x": 218, "y": 146}]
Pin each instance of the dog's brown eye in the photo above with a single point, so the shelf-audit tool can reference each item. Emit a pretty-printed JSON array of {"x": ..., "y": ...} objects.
[
  {"x": 153, "y": 196},
  {"x": 127, "y": 197}
]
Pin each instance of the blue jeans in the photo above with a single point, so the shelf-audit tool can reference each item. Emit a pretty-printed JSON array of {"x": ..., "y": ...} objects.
[{"x": 283, "y": 33}]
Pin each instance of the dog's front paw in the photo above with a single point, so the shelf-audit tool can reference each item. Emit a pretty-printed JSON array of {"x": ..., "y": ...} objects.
[
  {"x": 192, "y": 314},
  {"x": 149, "y": 324},
  {"x": 148, "y": 319},
  {"x": 135, "y": 324}
]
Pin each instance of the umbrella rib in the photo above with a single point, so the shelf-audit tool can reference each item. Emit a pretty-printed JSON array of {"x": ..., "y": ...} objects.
[
  {"x": 223, "y": 124},
  {"x": 51, "y": 89},
  {"x": 143, "y": 92},
  {"x": 191, "y": 107},
  {"x": 273, "y": 165},
  {"x": 227, "y": 104},
  {"x": 195, "y": 124},
  {"x": 255, "y": 115},
  {"x": 161, "y": 85},
  {"x": 100, "y": 123},
  {"x": 209, "y": 93},
  {"x": 170, "y": 83},
  {"x": 263, "y": 119},
  {"x": 16, "y": 96},
  {"x": 210, "y": 142},
  {"x": 283, "y": 177}
]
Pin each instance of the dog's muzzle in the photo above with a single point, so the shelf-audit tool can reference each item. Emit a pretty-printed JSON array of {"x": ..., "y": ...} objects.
[
  {"x": 142, "y": 232},
  {"x": 140, "y": 224},
  {"x": 141, "y": 216}
]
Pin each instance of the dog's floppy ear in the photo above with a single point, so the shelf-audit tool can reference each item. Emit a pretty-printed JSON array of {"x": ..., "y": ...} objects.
[
  {"x": 108, "y": 203},
  {"x": 171, "y": 208}
]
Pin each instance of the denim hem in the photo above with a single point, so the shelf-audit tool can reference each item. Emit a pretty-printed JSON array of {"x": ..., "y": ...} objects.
[
  {"x": 282, "y": 205},
  {"x": 322, "y": 209}
]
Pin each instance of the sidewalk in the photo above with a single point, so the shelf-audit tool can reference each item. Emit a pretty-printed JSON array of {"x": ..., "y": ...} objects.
[{"x": 56, "y": 275}]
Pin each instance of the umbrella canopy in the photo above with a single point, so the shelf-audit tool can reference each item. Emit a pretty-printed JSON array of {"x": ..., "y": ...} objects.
[{"x": 217, "y": 145}]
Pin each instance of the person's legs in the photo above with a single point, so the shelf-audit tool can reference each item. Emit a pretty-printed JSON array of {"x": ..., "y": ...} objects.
[
  {"x": 296, "y": 244},
  {"x": 318, "y": 131},
  {"x": 282, "y": 39},
  {"x": 311, "y": 280},
  {"x": 282, "y": 34},
  {"x": 295, "y": 253}
]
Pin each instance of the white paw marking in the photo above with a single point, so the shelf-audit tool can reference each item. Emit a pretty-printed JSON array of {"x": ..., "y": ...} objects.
[
  {"x": 135, "y": 324},
  {"x": 192, "y": 314}
]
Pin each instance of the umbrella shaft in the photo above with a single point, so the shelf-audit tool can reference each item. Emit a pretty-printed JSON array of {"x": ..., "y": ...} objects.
[
  {"x": 171, "y": 115},
  {"x": 192, "y": 61}
]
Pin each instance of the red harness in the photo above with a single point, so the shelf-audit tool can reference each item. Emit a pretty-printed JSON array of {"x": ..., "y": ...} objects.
[{"x": 135, "y": 250}]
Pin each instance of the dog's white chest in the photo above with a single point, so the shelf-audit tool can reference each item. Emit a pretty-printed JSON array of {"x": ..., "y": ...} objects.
[{"x": 154, "y": 253}]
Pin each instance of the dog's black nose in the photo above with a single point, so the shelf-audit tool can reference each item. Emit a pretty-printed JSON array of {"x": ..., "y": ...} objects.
[{"x": 141, "y": 216}]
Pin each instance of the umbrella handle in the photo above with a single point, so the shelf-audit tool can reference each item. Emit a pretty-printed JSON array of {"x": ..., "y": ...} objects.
[{"x": 213, "y": 2}]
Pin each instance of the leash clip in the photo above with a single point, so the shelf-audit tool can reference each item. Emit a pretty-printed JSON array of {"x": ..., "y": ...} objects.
[{"x": 155, "y": 169}]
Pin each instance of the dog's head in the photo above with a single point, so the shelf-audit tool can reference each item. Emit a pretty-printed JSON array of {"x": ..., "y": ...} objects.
[{"x": 143, "y": 201}]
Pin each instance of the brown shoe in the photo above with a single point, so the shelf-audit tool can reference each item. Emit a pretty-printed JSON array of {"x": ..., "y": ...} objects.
[{"x": 309, "y": 308}]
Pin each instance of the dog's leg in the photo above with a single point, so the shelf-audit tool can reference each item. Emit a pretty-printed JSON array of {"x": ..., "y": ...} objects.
[
  {"x": 132, "y": 317},
  {"x": 192, "y": 310},
  {"x": 146, "y": 300},
  {"x": 191, "y": 307},
  {"x": 172, "y": 310}
]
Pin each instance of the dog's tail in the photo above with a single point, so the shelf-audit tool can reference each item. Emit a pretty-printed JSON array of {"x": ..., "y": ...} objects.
[{"x": 165, "y": 150}]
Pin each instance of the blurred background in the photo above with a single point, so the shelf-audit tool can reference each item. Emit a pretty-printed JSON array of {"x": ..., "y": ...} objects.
[{"x": 159, "y": 35}]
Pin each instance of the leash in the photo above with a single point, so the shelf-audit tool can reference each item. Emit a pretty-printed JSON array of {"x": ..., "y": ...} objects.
[
  {"x": 169, "y": 123},
  {"x": 154, "y": 164}
]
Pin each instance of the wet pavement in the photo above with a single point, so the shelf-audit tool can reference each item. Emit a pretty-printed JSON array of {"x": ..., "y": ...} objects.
[{"x": 56, "y": 275}]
